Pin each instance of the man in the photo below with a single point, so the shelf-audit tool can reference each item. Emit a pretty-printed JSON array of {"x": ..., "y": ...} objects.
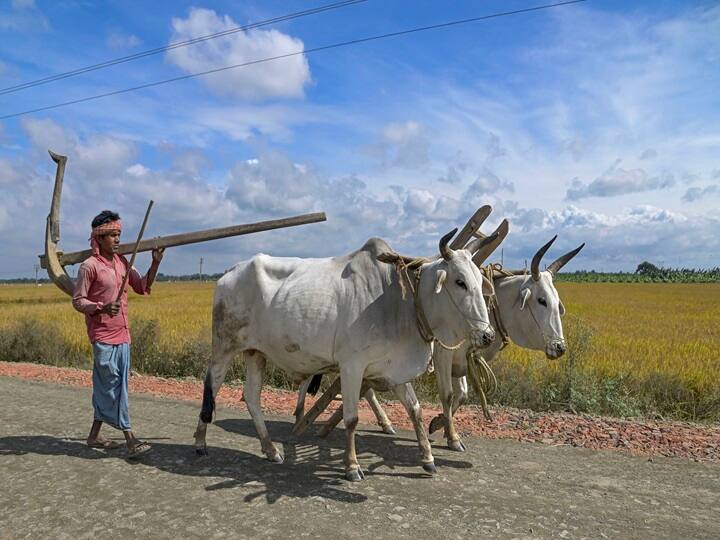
[{"x": 96, "y": 292}]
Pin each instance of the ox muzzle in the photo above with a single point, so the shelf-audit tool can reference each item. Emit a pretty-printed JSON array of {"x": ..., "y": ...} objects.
[
  {"x": 555, "y": 349},
  {"x": 482, "y": 338}
]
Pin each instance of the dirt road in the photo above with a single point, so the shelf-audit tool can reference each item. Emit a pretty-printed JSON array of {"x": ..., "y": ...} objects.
[{"x": 54, "y": 486}]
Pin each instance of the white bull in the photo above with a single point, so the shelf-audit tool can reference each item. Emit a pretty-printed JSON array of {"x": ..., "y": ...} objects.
[
  {"x": 527, "y": 311},
  {"x": 348, "y": 314}
]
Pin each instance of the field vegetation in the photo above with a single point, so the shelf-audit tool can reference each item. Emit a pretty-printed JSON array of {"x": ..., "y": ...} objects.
[{"x": 635, "y": 349}]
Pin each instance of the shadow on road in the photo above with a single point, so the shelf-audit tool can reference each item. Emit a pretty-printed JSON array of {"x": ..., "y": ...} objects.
[
  {"x": 382, "y": 446},
  {"x": 313, "y": 466}
]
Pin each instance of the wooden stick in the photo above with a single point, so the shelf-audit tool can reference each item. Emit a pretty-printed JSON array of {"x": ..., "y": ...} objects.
[
  {"x": 317, "y": 409},
  {"x": 132, "y": 259}
]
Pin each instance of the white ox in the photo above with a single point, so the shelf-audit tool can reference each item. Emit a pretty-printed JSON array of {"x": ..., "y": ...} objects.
[
  {"x": 527, "y": 311},
  {"x": 346, "y": 314}
]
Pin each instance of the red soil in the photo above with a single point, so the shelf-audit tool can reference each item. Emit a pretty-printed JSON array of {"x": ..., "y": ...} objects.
[{"x": 680, "y": 439}]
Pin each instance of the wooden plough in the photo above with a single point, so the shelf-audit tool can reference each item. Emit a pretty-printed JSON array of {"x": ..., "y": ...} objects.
[{"x": 54, "y": 260}]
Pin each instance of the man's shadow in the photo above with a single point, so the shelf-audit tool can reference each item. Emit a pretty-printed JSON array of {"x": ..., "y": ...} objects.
[{"x": 313, "y": 466}]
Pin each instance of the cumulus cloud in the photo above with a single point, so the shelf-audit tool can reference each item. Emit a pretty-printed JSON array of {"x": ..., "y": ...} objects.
[
  {"x": 119, "y": 41},
  {"x": 453, "y": 175},
  {"x": 23, "y": 16},
  {"x": 486, "y": 183},
  {"x": 613, "y": 241},
  {"x": 618, "y": 181},
  {"x": 284, "y": 78},
  {"x": 403, "y": 144},
  {"x": 494, "y": 150},
  {"x": 696, "y": 193},
  {"x": 649, "y": 154}
]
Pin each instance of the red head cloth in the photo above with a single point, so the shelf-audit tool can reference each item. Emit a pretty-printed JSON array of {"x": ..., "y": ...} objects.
[{"x": 101, "y": 230}]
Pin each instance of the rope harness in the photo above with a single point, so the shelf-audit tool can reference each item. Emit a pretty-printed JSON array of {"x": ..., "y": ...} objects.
[
  {"x": 482, "y": 379},
  {"x": 423, "y": 324}
]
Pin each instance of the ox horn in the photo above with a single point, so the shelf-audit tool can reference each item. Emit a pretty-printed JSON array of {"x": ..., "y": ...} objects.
[
  {"x": 445, "y": 251},
  {"x": 555, "y": 267},
  {"x": 535, "y": 265}
]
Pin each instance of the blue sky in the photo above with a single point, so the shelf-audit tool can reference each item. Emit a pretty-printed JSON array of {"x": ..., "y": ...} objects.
[{"x": 596, "y": 121}]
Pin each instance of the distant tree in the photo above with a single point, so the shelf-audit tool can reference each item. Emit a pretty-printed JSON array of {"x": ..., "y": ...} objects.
[{"x": 647, "y": 269}]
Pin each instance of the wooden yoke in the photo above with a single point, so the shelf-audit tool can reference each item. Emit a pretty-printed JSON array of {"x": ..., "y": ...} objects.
[{"x": 54, "y": 260}]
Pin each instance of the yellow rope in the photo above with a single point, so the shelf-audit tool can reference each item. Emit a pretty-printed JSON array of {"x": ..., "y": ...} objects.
[{"x": 482, "y": 379}]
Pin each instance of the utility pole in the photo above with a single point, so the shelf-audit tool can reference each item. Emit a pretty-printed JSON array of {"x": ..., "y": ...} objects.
[
  {"x": 37, "y": 269},
  {"x": 201, "y": 263}
]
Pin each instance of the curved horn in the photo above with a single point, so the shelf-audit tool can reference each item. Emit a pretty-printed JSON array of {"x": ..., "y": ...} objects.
[
  {"x": 562, "y": 261},
  {"x": 535, "y": 265},
  {"x": 482, "y": 252},
  {"x": 473, "y": 224},
  {"x": 55, "y": 270},
  {"x": 485, "y": 246},
  {"x": 445, "y": 251}
]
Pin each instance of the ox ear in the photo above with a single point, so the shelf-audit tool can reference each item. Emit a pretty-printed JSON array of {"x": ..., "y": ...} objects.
[
  {"x": 442, "y": 276},
  {"x": 562, "y": 308},
  {"x": 488, "y": 289},
  {"x": 525, "y": 295}
]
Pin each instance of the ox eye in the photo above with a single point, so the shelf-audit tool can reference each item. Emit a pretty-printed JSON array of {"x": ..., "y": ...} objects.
[
  {"x": 542, "y": 302},
  {"x": 460, "y": 283}
]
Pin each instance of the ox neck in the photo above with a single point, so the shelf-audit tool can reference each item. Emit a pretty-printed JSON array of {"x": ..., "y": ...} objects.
[{"x": 423, "y": 324}]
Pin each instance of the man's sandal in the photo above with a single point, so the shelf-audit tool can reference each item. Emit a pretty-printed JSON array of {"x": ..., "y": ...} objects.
[
  {"x": 139, "y": 449},
  {"x": 105, "y": 445}
]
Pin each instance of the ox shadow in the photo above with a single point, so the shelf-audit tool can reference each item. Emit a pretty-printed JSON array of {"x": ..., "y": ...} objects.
[
  {"x": 239, "y": 468},
  {"x": 388, "y": 453}
]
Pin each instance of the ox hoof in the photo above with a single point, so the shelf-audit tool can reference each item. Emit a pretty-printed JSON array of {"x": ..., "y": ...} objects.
[
  {"x": 436, "y": 423},
  {"x": 457, "y": 446},
  {"x": 201, "y": 450},
  {"x": 388, "y": 429},
  {"x": 430, "y": 468},
  {"x": 355, "y": 475},
  {"x": 275, "y": 458}
]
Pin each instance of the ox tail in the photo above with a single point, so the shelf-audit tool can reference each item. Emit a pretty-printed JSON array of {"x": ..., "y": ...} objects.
[
  {"x": 208, "y": 402},
  {"x": 315, "y": 384}
]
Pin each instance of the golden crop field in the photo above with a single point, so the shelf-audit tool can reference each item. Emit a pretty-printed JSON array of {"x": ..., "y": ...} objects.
[{"x": 636, "y": 333}]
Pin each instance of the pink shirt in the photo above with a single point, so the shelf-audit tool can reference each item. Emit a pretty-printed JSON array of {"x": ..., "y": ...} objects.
[{"x": 97, "y": 285}]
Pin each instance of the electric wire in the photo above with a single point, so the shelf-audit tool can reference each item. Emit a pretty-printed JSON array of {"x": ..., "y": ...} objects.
[
  {"x": 176, "y": 45},
  {"x": 295, "y": 53}
]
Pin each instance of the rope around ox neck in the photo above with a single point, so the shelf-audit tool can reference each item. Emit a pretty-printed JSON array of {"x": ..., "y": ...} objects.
[{"x": 423, "y": 324}]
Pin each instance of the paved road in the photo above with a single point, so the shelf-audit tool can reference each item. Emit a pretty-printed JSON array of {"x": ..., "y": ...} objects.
[{"x": 53, "y": 486}]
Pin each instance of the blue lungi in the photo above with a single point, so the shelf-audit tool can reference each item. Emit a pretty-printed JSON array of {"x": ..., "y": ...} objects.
[{"x": 111, "y": 369}]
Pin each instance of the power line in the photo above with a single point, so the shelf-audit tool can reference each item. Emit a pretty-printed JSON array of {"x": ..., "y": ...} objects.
[
  {"x": 176, "y": 45},
  {"x": 296, "y": 53}
]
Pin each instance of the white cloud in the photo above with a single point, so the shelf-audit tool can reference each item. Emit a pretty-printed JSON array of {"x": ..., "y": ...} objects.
[
  {"x": 618, "y": 181},
  {"x": 284, "y": 78},
  {"x": 696, "y": 193},
  {"x": 649, "y": 154},
  {"x": 119, "y": 41},
  {"x": 23, "y": 16},
  {"x": 403, "y": 144},
  {"x": 487, "y": 183},
  {"x": 137, "y": 170}
]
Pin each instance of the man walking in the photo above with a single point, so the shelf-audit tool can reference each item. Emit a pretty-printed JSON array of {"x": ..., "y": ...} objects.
[{"x": 96, "y": 292}]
